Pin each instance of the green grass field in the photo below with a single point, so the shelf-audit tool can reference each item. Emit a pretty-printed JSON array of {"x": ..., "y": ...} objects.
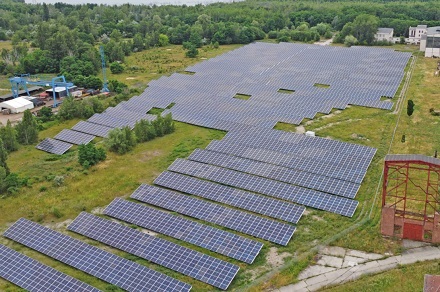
[{"x": 120, "y": 175}]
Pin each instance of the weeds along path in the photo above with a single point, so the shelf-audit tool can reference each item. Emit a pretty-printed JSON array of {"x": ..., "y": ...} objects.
[
  {"x": 399, "y": 109},
  {"x": 366, "y": 212}
]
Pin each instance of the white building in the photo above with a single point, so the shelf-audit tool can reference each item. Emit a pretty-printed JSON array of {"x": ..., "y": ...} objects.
[
  {"x": 384, "y": 34},
  {"x": 430, "y": 42},
  {"x": 17, "y": 105},
  {"x": 415, "y": 34}
]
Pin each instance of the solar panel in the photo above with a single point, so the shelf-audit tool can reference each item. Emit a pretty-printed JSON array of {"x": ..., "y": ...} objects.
[
  {"x": 216, "y": 240},
  {"x": 233, "y": 219},
  {"x": 160, "y": 251},
  {"x": 53, "y": 146},
  {"x": 74, "y": 137},
  {"x": 276, "y": 172},
  {"x": 92, "y": 260},
  {"x": 303, "y": 196},
  {"x": 110, "y": 121},
  {"x": 290, "y": 160},
  {"x": 92, "y": 129},
  {"x": 227, "y": 195},
  {"x": 32, "y": 275}
]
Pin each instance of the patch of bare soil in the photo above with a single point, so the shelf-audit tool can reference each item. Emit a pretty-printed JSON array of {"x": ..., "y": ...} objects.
[
  {"x": 275, "y": 259},
  {"x": 147, "y": 155}
]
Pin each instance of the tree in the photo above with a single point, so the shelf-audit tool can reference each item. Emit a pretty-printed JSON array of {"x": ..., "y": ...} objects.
[
  {"x": 9, "y": 136},
  {"x": 27, "y": 129},
  {"x": 168, "y": 124},
  {"x": 116, "y": 68},
  {"x": 45, "y": 114},
  {"x": 364, "y": 28},
  {"x": 89, "y": 155},
  {"x": 192, "y": 51},
  {"x": 163, "y": 40},
  {"x": 144, "y": 131},
  {"x": 3, "y": 158},
  {"x": 46, "y": 15},
  {"x": 410, "y": 107},
  {"x": 121, "y": 141},
  {"x": 350, "y": 41}
]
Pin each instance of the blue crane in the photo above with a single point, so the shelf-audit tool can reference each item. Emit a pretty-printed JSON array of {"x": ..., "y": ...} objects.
[
  {"x": 104, "y": 76},
  {"x": 24, "y": 79}
]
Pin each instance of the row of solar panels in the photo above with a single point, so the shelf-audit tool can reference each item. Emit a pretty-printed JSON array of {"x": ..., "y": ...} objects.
[{"x": 97, "y": 125}]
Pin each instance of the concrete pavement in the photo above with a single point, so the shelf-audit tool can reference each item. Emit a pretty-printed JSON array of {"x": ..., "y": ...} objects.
[{"x": 337, "y": 265}]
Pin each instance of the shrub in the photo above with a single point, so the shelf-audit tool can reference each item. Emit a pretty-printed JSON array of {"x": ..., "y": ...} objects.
[
  {"x": 116, "y": 68},
  {"x": 403, "y": 138},
  {"x": 89, "y": 155},
  {"x": 410, "y": 107},
  {"x": 57, "y": 213},
  {"x": 58, "y": 181},
  {"x": 121, "y": 140}
]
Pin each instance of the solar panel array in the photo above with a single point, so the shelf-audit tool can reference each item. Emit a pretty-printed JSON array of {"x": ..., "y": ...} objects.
[
  {"x": 74, "y": 137},
  {"x": 303, "y": 196},
  {"x": 165, "y": 253},
  {"x": 53, "y": 146},
  {"x": 216, "y": 240},
  {"x": 92, "y": 129},
  {"x": 33, "y": 276},
  {"x": 276, "y": 172},
  {"x": 358, "y": 76},
  {"x": 233, "y": 219},
  {"x": 227, "y": 195},
  {"x": 92, "y": 260}
]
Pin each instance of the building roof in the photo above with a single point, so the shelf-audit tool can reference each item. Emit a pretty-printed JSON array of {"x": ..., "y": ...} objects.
[
  {"x": 20, "y": 92},
  {"x": 412, "y": 157},
  {"x": 422, "y": 26},
  {"x": 59, "y": 89},
  {"x": 16, "y": 102},
  {"x": 433, "y": 30},
  {"x": 385, "y": 30},
  {"x": 432, "y": 283}
]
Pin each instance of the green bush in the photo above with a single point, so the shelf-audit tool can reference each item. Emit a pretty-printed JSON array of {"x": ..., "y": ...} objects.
[
  {"x": 116, "y": 68},
  {"x": 89, "y": 155},
  {"x": 121, "y": 141},
  {"x": 410, "y": 107}
]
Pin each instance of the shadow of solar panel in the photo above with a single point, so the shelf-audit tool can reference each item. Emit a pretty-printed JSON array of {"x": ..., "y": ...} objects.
[
  {"x": 276, "y": 172},
  {"x": 160, "y": 251},
  {"x": 92, "y": 129},
  {"x": 92, "y": 260},
  {"x": 53, "y": 146},
  {"x": 233, "y": 219},
  {"x": 303, "y": 196},
  {"x": 74, "y": 137},
  {"x": 216, "y": 240},
  {"x": 32, "y": 275},
  {"x": 227, "y": 195}
]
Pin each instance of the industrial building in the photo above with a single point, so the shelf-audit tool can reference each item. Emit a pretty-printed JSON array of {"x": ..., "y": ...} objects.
[
  {"x": 430, "y": 42},
  {"x": 16, "y": 105}
]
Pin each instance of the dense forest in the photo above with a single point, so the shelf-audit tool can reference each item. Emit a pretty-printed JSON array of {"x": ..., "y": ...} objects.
[{"x": 64, "y": 38}]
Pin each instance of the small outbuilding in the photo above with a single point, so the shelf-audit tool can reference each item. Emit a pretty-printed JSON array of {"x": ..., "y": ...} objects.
[{"x": 16, "y": 105}]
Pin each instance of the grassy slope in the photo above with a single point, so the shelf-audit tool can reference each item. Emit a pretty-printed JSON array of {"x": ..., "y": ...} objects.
[{"x": 405, "y": 279}]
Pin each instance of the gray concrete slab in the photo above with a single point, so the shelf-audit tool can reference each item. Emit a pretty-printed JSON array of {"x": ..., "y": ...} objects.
[
  {"x": 315, "y": 280},
  {"x": 333, "y": 251},
  {"x": 364, "y": 255},
  {"x": 315, "y": 270},
  {"x": 300, "y": 286},
  {"x": 330, "y": 261},
  {"x": 408, "y": 244},
  {"x": 350, "y": 261}
]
